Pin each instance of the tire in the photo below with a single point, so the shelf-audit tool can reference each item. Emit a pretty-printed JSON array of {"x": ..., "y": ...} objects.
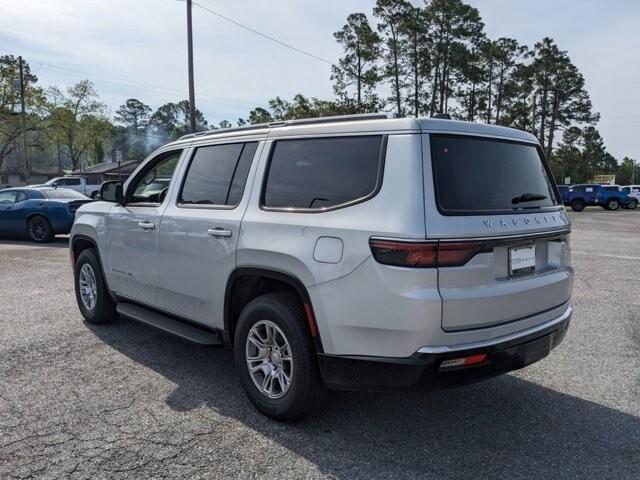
[
  {"x": 39, "y": 229},
  {"x": 613, "y": 204},
  {"x": 632, "y": 204},
  {"x": 102, "y": 309},
  {"x": 577, "y": 205},
  {"x": 282, "y": 313}
]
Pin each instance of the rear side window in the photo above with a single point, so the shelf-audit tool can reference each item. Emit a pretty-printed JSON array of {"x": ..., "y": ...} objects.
[
  {"x": 479, "y": 175},
  {"x": 61, "y": 193},
  {"x": 217, "y": 174},
  {"x": 322, "y": 173},
  {"x": 611, "y": 189}
]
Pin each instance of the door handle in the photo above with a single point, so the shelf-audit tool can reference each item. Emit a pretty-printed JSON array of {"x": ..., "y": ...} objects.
[
  {"x": 147, "y": 225},
  {"x": 218, "y": 232}
]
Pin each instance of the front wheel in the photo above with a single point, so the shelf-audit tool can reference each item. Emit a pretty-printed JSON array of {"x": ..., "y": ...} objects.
[
  {"x": 94, "y": 301},
  {"x": 577, "y": 206},
  {"x": 39, "y": 229},
  {"x": 275, "y": 357}
]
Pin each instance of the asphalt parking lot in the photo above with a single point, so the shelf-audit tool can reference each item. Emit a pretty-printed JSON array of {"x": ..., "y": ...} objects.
[{"x": 125, "y": 401}]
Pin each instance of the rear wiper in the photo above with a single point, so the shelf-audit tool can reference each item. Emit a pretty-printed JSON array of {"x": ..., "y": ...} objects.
[{"x": 528, "y": 197}]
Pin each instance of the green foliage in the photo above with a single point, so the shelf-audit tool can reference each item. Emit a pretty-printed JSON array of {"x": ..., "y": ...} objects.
[
  {"x": 10, "y": 121},
  {"x": 357, "y": 70},
  {"x": 171, "y": 120},
  {"x": 410, "y": 60},
  {"x": 77, "y": 120}
]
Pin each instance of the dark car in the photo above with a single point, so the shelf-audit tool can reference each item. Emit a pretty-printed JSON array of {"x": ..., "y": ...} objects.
[
  {"x": 38, "y": 213},
  {"x": 564, "y": 193}
]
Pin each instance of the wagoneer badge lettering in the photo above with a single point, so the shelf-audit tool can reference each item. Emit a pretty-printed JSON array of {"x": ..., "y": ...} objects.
[{"x": 555, "y": 218}]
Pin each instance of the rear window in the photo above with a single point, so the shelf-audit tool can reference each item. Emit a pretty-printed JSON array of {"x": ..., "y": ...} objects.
[
  {"x": 59, "y": 193},
  {"x": 322, "y": 173},
  {"x": 479, "y": 175},
  {"x": 611, "y": 189}
]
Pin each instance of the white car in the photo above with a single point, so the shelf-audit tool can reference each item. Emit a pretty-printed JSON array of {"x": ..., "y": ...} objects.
[
  {"x": 632, "y": 190},
  {"x": 354, "y": 252},
  {"x": 79, "y": 184}
]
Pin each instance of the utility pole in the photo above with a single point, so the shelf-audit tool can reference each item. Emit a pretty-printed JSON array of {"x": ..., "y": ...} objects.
[
  {"x": 27, "y": 176},
  {"x": 192, "y": 100}
]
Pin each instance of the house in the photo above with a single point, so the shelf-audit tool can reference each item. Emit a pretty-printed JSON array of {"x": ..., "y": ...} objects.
[{"x": 102, "y": 172}]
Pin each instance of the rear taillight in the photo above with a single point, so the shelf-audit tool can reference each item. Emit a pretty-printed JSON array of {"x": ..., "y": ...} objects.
[
  {"x": 404, "y": 254},
  {"x": 424, "y": 254},
  {"x": 453, "y": 254}
]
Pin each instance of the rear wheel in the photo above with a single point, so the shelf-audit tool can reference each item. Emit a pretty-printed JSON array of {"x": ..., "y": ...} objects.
[
  {"x": 577, "y": 205},
  {"x": 613, "y": 204},
  {"x": 632, "y": 204},
  {"x": 275, "y": 357},
  {"x": 39, "y": 229},
  {"x": 94, "y": 301}
]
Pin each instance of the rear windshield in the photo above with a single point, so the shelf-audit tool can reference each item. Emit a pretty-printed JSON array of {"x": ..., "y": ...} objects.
[
  {"x": 479, "y": 175},
  {"x": 59, "y": 193}
]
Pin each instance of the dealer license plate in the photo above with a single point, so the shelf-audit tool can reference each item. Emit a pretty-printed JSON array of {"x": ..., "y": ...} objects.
[{"x": 522, "y": 260}]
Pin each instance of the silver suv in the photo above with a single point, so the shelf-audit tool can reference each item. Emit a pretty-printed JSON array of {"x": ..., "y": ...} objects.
[{"x": 353, "y": 252}]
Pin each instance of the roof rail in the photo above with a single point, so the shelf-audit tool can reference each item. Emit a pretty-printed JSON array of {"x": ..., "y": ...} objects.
[{"x": 284, "y": 123}]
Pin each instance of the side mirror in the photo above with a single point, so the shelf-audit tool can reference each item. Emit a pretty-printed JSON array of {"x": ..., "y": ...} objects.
[{"x": 111, "y": 191}]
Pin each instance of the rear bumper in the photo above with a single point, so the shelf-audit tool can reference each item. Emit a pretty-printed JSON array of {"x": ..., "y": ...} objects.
[{"x": 423, "y": 369}]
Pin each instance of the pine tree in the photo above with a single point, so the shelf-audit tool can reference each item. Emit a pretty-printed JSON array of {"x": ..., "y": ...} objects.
[
  {"x": 392, "y": 15},
  {"x": 357, "y": 69}
]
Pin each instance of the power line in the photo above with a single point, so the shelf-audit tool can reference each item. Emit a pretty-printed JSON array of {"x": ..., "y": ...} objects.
[
  {"x": 264, "y": 35},
  {"x": 126, "y": 83}
]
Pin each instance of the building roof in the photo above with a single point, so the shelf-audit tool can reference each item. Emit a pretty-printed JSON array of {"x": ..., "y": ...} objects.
[{"x": 112, "y": 167}]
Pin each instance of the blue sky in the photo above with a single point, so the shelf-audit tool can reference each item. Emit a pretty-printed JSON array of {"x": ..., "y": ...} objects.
[{"x": 138, "y": 49}]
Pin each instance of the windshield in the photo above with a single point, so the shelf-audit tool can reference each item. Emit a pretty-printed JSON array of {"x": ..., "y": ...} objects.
[
  {"x": 480, "y": 175},
  {"x": 59, "y": 193}
]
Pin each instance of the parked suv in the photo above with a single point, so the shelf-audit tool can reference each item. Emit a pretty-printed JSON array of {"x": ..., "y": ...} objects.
[
  {"x": 609, "y": 197},
  {"x": 349, "y": 252}
]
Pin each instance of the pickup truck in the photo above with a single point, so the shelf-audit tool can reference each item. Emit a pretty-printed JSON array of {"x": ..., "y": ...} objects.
[
  {"x": 79, "y": 184},
  {"x": 609, "y": 197},
  {"x": 632, "y": 190}
]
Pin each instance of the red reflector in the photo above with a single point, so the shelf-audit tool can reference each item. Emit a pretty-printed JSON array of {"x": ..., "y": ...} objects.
[
  {"x": 474, "y": 359},
  {"x": 313, "y": 329},
  {"x": 464, "y": 361}
]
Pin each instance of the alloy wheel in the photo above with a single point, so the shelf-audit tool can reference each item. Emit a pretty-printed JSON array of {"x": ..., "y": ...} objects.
[
  {"x": 269, "y": 359},
  {"x": 38, "y": 229},
  {"x": 88, "y": 287}
]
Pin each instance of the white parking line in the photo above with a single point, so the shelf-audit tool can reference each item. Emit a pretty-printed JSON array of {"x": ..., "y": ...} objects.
[{"x": 591, "y": 254}]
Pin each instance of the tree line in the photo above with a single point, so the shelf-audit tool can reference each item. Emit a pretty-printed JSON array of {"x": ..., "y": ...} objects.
[{"x": 431, "y": 60}]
